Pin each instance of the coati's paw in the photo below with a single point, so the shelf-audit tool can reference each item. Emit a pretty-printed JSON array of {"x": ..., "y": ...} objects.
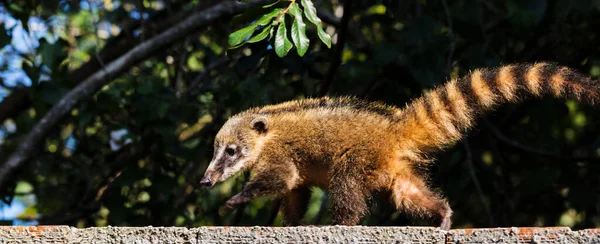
[
  {"x": 446, "y": 224},
  {"x": 232, "y": 203}
]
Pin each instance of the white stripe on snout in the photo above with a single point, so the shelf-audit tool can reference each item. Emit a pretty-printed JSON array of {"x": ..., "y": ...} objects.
[{"x": 212, "y": 164}]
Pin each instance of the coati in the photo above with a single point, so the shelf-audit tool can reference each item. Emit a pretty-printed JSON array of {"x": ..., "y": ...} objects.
[{"x": 353, "y": 147}]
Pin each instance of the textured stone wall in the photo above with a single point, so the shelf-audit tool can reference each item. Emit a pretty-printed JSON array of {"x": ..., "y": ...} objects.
[{"x": 325, "y": 234}]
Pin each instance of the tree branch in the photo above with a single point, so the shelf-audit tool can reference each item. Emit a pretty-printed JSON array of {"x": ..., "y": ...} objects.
[
  {"x": 469, "y": 159},
  {"x": 96, "y": 81},
  {"x": 19, "y": 100},
  {"x": 339, "y": 48}
]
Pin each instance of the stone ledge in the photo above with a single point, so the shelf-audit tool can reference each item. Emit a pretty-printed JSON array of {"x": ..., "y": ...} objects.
[{"x": 305, "y": 234}]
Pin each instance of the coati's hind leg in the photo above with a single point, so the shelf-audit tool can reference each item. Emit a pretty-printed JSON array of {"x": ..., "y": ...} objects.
[
  {"x": 294, "y": 206},
  {"x": 413, "y": 197},
  {"x": 347, "y": 193}
]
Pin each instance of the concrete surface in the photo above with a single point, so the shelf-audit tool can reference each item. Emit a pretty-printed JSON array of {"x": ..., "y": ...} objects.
[{"x": 325, "y": 234}]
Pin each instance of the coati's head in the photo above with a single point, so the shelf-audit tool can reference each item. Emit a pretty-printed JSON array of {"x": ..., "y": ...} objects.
[{"x": 237, "y": 145}]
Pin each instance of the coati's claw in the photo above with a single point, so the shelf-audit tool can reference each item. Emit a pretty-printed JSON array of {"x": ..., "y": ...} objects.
[
  {"x": 446, "y": 224},
  {"x": 232, "y": 203}
]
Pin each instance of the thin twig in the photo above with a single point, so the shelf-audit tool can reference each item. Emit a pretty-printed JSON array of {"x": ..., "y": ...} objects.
[
  {"x": 199, "y": 79},
  {"x": 96, "y": 38},
  {"x": 179, "y": 70},
  {"x": 141, "y": 10},
  {"x": 339, "y": 48},
  {"x": 282, "y": 13},
  {"x": 450, "y": 34},
  {"x": 328, "y": 17},
  {"x": 529, "y": 149},
  {"x": 469, "y": 160}
]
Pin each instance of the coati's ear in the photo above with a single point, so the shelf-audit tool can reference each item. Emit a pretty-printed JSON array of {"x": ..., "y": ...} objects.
[{"x": 260, "y": 124}]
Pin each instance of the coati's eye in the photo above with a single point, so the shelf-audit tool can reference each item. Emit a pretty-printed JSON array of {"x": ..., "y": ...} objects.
[{"x": 230, "y": 151}]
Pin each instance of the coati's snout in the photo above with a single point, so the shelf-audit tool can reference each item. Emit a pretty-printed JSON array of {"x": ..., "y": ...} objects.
[
  {"x": 207, "y": 181},
  {"x": 235, "y": 148}
]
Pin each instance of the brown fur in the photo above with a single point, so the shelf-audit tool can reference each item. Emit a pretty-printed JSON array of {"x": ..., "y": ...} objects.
[{"x": 352, "y": 147}]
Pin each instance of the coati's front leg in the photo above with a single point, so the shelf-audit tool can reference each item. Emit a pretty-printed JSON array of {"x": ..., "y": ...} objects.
[
  {"x": 270, "y": 180},
  {"x": 347, "y": 192},
  {"x": 294, "y": 205}
]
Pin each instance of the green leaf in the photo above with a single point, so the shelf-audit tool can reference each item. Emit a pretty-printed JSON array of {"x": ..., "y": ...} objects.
[
  {"x": 239, "y": 36},
  {"x": 265, "y": 32},
  {"x": 15, "y": 8},
  {"x": 266, "y": 19},
  {"x": 311, "y": 14},
  {"x": 23, "y": 187},
  {"x": 325, "y": 38},
  {"x": 282, "y": 43},
  {"x": 299, "y": 30},
  {"x": 271, "y": 5}
]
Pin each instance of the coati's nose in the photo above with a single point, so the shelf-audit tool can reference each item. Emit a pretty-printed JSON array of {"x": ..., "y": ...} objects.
[{"x": 206, "y": 181}]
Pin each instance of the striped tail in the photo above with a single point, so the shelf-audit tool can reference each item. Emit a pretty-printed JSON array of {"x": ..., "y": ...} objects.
[{"x": 440, "y": 117}]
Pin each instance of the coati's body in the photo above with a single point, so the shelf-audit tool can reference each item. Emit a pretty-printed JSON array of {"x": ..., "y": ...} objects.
[{"x": 353, "y": 147}]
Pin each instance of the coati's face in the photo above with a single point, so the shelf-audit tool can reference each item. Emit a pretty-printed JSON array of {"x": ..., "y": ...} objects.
[{"x": 237, "y": 145}]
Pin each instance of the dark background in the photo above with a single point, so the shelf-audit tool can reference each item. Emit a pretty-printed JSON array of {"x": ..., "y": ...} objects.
[{"x": 531, "y": 164}]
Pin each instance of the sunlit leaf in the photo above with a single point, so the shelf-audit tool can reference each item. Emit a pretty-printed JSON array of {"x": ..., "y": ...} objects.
[
  {"x": 23, "y": 187},
  {"x": 239, "y": 36},
  {"x": 262, "y": 35},
  {"x": 299, "y": 30},
  {"x": 282, "y": 43},
  {"x": 272, "y": 4},
  {"x": 325, "y": 38},
  {"x": 311, "y": 14},
  {"x": 266, "y": 19}
]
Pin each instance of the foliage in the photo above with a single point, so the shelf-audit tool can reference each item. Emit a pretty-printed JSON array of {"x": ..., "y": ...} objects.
[
  {"x": 134, "y": 152},
  {"x": 274, "y": 21}
]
